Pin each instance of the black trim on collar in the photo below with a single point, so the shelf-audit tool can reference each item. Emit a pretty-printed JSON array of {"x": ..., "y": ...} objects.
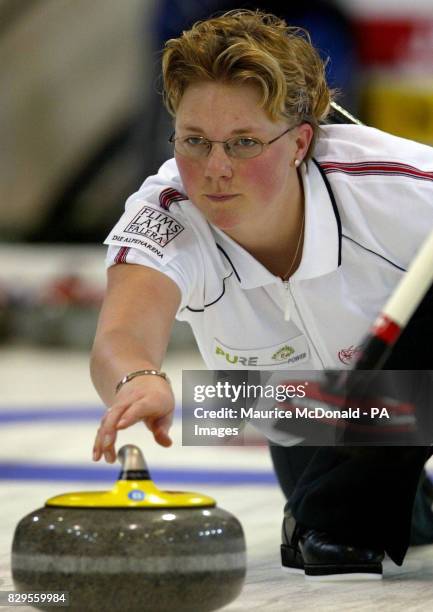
[
  {"x": 230, "y": 261},
  {"x": 334, "y": 206},
  {"x": 340, "y": 232},
  {"x": 215, "y": 301},
  {"x": 374, "y": 253}
]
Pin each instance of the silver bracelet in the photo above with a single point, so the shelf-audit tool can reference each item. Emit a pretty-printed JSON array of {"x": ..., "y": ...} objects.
[{"x": 132, "y": 375}]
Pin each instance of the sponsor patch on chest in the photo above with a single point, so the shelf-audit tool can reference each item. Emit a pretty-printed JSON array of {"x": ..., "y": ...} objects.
[{"x": 285, "y": 354}]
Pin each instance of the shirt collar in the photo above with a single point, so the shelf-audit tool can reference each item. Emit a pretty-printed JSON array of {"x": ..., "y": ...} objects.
[{"x": 322, "y": 237}]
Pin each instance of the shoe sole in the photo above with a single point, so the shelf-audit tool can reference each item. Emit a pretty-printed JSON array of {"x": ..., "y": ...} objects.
[
  {"x": 346, "y": 577},
  {"x": 291, "y": 562},
  {"x": 292, "y": 570}
]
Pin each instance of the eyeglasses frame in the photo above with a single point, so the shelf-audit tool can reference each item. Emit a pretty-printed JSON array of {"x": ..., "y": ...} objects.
[{"x": 226, "y": 145}]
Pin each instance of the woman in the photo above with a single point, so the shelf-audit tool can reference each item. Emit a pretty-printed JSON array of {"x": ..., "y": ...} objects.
[{"x": 267, "y": 232}]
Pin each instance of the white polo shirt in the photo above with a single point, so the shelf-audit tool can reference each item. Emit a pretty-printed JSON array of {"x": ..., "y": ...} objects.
[{"x": 368, "y": 207}]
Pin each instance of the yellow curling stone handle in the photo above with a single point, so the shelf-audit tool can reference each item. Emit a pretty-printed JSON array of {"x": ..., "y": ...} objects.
[{"x": 134, "y": 489}]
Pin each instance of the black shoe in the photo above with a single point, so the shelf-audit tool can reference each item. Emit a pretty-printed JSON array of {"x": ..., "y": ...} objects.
[{"x": 321, "y": 558}]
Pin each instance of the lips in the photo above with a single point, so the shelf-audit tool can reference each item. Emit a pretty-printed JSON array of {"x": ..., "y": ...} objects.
[{"x": 221, "y": 197}]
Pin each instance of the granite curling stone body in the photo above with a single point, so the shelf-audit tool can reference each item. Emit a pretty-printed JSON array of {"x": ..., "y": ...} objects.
[{"x": 133, "y": 548}]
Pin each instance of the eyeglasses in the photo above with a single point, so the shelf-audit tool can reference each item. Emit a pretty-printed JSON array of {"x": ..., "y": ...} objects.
[{"x": 239, "y": 147}]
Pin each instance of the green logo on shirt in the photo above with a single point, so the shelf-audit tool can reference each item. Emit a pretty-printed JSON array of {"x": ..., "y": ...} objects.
[
  {"x": 231, "y": 358},
  {"x": 283, "y": 353},
  {"x": 251, "y": 358}
]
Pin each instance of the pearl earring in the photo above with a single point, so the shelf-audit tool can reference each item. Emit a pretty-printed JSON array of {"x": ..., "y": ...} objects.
[{"x": 297, "y": 163}]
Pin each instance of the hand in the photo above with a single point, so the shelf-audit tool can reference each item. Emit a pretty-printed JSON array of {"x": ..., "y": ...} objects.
[{"x": 149, "y": 399}]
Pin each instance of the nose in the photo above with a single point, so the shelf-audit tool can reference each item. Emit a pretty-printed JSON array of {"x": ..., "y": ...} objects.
[{"x": 218, "y": 163}]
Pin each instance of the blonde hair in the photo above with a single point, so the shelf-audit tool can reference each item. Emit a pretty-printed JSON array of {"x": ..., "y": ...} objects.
[{"x": 245, "y": 46}]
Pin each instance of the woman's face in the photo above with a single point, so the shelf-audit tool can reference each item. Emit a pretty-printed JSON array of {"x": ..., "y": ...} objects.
[{"x": 237, "y": 194}]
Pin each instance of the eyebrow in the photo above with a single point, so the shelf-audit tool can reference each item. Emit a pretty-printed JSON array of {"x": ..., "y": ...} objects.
[{"x": 194, "y": 128}]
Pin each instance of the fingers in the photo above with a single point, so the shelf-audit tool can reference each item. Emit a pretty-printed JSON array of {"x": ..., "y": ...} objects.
[
  {"x": 160, "y": 428},
  {"x": 131, "y": 418},
  {"x": 162, "y": 438},
  {"x": 151, "y": 403},
  {"x": 109, "y": 448},
  {"x": 104, "y": 445},
  {"x": 124, "y": 415},
  {"x": 106, "y": 435},
  {"x": 140, "y": 411}
]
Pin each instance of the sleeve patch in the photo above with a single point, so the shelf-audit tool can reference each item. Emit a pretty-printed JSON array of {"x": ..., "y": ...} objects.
[
  {"x": 150, "y": 229},
  {"x": 158, "y": 227}
]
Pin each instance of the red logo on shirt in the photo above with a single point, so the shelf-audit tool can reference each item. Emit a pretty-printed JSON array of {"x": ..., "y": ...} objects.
[{"x": 347, "y": 355}]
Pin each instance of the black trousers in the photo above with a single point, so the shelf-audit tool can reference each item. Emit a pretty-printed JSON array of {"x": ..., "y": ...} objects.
[{"x": 366, "y": 497}]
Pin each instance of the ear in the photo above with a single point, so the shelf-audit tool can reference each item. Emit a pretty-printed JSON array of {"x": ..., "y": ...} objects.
[{"x": 303, "y": 139}]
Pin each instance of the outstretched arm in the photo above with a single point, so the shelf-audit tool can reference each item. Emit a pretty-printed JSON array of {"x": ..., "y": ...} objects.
[{"x": 133, "y": 333}]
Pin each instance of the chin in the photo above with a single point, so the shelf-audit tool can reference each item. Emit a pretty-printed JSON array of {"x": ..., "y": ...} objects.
[
  {"x": 225, "y": 222},
  {"x": 222, "y": 219}
]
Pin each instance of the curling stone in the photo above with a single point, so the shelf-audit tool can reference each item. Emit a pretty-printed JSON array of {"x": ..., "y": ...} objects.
[{"x": 133, "y": 548}]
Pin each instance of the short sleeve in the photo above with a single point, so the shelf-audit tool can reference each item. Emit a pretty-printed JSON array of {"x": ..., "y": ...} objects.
[
  {"x": 179, "y": 271},
  {"x": 153, "y": 232}
]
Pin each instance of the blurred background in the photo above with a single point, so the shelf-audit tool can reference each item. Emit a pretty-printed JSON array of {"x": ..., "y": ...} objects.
[{"x": 82, "y": 125}]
